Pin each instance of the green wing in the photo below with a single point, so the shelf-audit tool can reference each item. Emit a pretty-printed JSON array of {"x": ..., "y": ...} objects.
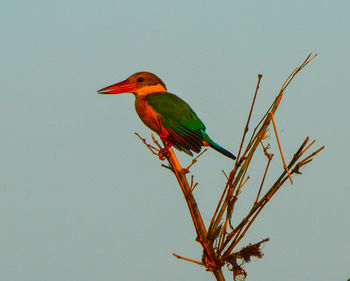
[{"x": 186, "y": 130}]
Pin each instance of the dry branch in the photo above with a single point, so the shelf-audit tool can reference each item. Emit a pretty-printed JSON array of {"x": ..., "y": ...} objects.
[{"x": 222, "y": 237}]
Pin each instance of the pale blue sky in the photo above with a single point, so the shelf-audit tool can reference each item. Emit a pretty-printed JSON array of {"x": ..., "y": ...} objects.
[{"x": 82, "y": 199}]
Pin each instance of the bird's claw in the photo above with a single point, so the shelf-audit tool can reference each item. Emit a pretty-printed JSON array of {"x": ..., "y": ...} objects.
[
  {"x": 163, "y": 153},
  {"x": 163, "y": 134}
]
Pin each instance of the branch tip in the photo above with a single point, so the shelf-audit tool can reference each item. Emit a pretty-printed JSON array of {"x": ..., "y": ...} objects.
[
  {"x": 187, "y": 259},
  {"x": 194, "y": 160}
]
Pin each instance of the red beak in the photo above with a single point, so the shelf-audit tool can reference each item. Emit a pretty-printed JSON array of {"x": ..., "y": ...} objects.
[{"x": 119, "y": 88}]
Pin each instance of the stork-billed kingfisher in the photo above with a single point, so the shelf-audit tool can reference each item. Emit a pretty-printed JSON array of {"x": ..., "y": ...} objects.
[{"x": 165, "y": 113}]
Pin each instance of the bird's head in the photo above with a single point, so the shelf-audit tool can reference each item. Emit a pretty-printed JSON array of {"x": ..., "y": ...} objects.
[{"x": 140, "y": 83}]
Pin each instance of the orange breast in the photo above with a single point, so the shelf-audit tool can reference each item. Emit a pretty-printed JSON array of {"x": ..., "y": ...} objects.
[{"x": 148, "y": 116}]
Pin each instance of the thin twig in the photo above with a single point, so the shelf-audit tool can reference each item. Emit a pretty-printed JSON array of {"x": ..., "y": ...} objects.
[
  {"x": 298, "y": 153},
  {"x": 153, "y": 149},
  {"x": 187, "y": 259},
  {"x": 279, "y": 146},
  {"x": 167, "y": 167},
  {"x": 156, "y": 142},
  {"x": 193, "y": 187},
  {"x": 308, "y": 146},
  {"x": 217, "y": 208},
  {"x": 304, "y": 161},
  {"x": 249, "y": 116},
  {"x": 240, "y": 187},
  {"x": 265, "y": 149},
  {"x": 194, "y": 160},
  {"x": 263, "y": 180},
  {"x": 224, "y": 174}
]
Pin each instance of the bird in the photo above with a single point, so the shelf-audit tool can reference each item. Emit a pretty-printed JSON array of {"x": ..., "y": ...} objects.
[{"x": 166, "y": 114}]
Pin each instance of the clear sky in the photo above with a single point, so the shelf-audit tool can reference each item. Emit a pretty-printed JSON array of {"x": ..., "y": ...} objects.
[{"x": 81, "y": 198}]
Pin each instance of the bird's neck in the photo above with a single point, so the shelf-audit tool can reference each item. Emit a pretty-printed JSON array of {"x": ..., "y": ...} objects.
[{"x": 148, "y": 90}]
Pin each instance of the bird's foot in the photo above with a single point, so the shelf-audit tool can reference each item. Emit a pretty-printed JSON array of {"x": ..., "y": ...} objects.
[
  {"x": 163, "y": 134},
  {"x": 164, "y": 152}
]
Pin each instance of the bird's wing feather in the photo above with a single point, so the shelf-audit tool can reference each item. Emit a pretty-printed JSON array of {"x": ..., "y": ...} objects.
[{"x": 177, "y": 117}]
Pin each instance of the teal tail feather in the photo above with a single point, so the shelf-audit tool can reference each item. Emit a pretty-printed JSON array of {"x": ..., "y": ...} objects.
[{"x": 218, "y": 148}]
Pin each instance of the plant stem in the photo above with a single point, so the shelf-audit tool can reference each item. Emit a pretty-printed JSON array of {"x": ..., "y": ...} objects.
[
  {"x": 219, "y": 275},
  {"x": 198, "y": 223},
  {"x": 186, "y": 190}
]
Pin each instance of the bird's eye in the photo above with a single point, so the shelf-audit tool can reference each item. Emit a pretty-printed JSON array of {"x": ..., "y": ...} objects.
[{"x": 140, "y": 79}]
